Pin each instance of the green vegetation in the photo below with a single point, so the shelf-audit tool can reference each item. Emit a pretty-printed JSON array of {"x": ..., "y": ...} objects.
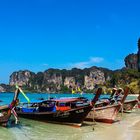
[
  {"x": 138, "y": 55},
  {"x": 127, "y": 77}
]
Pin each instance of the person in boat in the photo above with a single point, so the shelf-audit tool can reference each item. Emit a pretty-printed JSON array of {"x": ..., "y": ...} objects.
[
  {"x": 111, "y": 98},
  {"x": 114, "y": 90},
  {"x": 118, "y": 95}
]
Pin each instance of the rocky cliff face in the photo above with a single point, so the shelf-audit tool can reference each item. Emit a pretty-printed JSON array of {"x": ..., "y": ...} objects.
[
  {"x": 69, "y": 82},
  {"x": 131, "y": 61},
  {"x": 96, "y": 77},
  {"x": 5, "y": 88},
  {"x": 53, "y": 79},
  {"x": 22, "y": 77},
  {"x": 2, "y": 89}
]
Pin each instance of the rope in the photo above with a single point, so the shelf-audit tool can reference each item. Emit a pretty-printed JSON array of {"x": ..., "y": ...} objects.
[
  {"x": 121, "y": 108},
  {"x": 15, "y": 115},
  {"x": 23, "y": 93},
  {"x": 93, "y": 116}
]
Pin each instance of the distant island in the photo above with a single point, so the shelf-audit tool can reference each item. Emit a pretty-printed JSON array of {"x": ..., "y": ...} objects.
[{"x": 86, "y": 80}]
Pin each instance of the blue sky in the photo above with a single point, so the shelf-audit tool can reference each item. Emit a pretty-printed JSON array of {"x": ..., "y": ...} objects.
[{"x": 42, "y": 34}]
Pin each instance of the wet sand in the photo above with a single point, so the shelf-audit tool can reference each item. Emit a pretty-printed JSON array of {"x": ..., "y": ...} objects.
[{"x": 127, "y": 129}]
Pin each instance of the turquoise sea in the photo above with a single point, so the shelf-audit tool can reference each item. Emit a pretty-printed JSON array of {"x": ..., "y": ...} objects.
[
  {"x": 7, "y": 97},
  {"x": 126, "y": 129}
]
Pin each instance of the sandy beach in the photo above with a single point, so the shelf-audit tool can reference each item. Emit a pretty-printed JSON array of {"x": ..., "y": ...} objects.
[{"x": 126, "y": 129}]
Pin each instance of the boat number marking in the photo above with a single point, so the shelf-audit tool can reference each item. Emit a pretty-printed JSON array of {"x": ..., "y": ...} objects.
[
  {"x": 80, "y": 111},
  {"x": 62, "y": 114}
]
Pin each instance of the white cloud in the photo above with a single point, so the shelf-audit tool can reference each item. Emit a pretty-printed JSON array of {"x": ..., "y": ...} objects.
[
  {"x": 79, "y": 65},
  {"x": 46, "y": 65},
  {"x": 96, "y": 59},
  {"x": 92, "y": 61}
]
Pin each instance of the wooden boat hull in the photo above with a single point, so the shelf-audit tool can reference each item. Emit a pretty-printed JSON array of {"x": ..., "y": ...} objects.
[
  {"x": 4, "y": 116},
  {"x": 101, "y": 104},
  {"x": 138, "y": 105},
  {"x": 7, "y": 110},
  {"x": 129, "y": 105},
  {"x": 72, "y": 117},
  {"x": 105, "y": 114}
]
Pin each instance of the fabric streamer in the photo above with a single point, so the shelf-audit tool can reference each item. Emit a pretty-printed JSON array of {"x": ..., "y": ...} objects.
[{"x": 23, "y": 93}]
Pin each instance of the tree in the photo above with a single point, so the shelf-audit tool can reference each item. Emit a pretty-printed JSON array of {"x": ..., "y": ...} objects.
[
  {"x": 138, "y": 55},
  {"x": 139, "y": 43}
]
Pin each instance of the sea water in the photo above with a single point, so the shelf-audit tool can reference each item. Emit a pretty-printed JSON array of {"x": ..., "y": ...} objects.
[{"x": 128, "y": 128}]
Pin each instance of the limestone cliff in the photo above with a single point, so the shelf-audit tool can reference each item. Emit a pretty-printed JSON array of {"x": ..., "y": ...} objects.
[
  {"x": 138, "y": 55},
  {"x": 69, "y": 82},
  {"x": 131, "y": 61},
  {"x": 96, "y": 77},
  {"x": 52, "y": 80},
  {"x": 2, "y": 89},
  {"x": 5, "y": 88},
  {"x": 22, "y": 77}
]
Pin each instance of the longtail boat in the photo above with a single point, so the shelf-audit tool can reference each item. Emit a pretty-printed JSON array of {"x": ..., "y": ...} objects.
[
  {"x": 70, "y": 111},
  {"x": 108, "y": 113},
  {"x": 139, "y": 101},
  {"x": 130, "y": 104},
  {"x": 7, "y": 110},
  {"x": 106, "y": 101}
]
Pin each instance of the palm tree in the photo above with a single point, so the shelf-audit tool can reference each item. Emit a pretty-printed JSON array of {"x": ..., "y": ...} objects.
[{"x": 138, "y": 55}]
